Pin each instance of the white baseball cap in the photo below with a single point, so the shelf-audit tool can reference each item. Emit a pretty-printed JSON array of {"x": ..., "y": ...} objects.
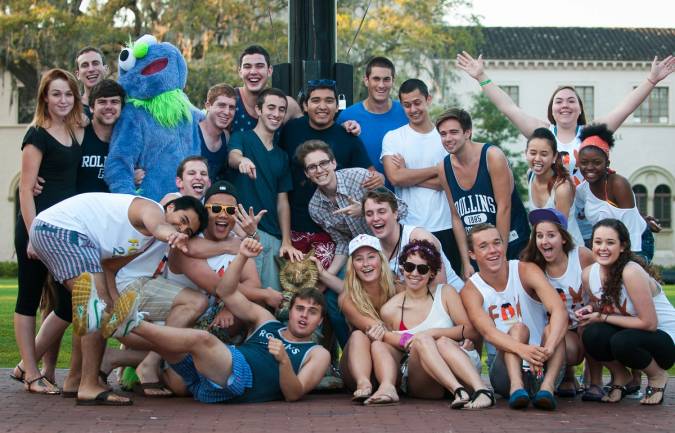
[{"x": 364, "y": 240}]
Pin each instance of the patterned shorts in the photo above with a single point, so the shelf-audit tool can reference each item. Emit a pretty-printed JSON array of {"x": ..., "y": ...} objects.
[
  {"x": 66, "y": 253},
  {"x": 207, "y": 391}
]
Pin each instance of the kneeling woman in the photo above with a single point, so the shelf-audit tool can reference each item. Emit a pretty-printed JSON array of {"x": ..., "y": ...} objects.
[
  {"x": 431, "y": 338},
  {"x": 630, "y": 323},
  {"x": 552, "y": 248},
  {"x": 369, "y": 283}
]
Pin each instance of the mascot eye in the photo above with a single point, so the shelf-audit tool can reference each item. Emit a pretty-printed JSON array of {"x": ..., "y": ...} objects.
[
  {"x": 142, "y": 45},
  {"x": 127, "y": 59}
]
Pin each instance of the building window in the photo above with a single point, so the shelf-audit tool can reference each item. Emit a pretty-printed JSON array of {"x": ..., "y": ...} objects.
[
  {"x": 655, "y": 107},
  {"x": 662, "y": 199},
  {"x": 640, "y": 198},
  {"x": 513, "y": 93},
  {"x": 586, "y": 93}
]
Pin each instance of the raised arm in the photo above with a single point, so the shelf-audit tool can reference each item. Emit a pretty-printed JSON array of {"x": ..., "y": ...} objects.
[
  {"x": 632, "y": 101},
  {"x": 476, "y": 70}
]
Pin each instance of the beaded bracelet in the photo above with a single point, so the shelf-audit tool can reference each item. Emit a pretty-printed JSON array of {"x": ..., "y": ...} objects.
[{"x": 485, "y": 83}]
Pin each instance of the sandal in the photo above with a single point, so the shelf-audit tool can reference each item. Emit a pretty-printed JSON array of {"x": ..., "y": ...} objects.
[
  {"x": 478, "y": 393},
  {"x": 651, "y": 390},
  {"x": 361, "y": 395},
  {"x": 591, "y": 395},
  {"x": 103, "y": 399},
  {"x": 381, "y": 400},
  {"x": 21, "y": 377},
  {"x": 43, "y": 382},
  {"x": 459, "y": 402},
  {"x": 612, "y": 388}
]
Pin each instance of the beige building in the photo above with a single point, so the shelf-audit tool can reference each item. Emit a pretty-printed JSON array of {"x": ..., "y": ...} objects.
[{"x": 603, "y": 64}]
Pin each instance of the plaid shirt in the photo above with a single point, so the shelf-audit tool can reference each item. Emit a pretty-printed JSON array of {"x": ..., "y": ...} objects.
[{"x": 343, "y": 228}]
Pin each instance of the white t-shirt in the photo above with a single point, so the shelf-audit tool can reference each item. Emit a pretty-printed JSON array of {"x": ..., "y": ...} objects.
[
  {"x": 104, "y": 218},
  {"x": 146, "y": 265},
  {"x": 426, "y": 207}
]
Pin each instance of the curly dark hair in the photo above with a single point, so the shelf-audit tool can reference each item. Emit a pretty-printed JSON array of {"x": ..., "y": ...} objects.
[
  {"x": 611, "y": 288},
  {"x": 426, "y": 250},
  {"x": 599, "y": 129}
]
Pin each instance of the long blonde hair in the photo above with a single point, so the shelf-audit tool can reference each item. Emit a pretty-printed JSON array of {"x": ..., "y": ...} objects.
[
  {"x": 41, "y": 117},
  {"x": 357, "y": 294}
]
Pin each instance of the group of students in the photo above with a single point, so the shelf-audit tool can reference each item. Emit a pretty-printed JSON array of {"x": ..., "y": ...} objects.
[{"x": 413, "y": 282}]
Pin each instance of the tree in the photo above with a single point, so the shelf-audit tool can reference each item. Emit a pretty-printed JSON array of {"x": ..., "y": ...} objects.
[
  {"x": 41, "y": 34},
  {"x": 412, "y": 33},
  {"x": 491, "y": 126}
]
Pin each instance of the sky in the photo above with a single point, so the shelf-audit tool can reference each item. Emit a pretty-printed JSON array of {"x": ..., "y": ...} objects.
[{"x": 574, "y": 13}]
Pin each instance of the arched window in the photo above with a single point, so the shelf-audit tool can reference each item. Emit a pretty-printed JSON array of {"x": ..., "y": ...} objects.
[
  {"x": 640, "y": 198},
  {"x": 662, "y": 206}
]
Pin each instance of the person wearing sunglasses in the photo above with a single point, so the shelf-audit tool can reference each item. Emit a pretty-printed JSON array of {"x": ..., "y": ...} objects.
[
  {"x": 515, "y": 308},
  {"x": 429, "y": 335},
  {"x": 380, "y": 209},
  {"x": 205, "y": 273}
]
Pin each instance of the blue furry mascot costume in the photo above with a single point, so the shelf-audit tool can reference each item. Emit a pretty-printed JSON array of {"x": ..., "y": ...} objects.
[{"x": 158, "y": 126}]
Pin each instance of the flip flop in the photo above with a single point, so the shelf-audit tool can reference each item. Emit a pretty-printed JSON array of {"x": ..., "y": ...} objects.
[
  {"x": 613, "y": 387},
  {"x": 141, "y": 389},
  {"x": 458, "y": 404},
  {"x": 477, "y": 394},
  {"x": 544, "y": 400},
  {"x": 68, "y": 394},
  {"x": 360, "y": 397},
  {"x": 519, "y": 399},
  {"x": 381, "y": 400},
  {"x": 651, "y": 390},
  {"x": 41, "y": 381},
  {"x": 589, "y": 395},
  {"x": 21, "y": 377},
  {"x": 103, "y": 400},
  {"x": 566, "y": 392}
]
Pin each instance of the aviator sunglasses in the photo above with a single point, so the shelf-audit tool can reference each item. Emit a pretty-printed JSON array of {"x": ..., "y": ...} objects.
[
  {"x": 421, "y": 269},
  {"x": 218, "y": 208}
]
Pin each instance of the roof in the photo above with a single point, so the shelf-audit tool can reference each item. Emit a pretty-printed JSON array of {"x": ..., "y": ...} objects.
[{"x": 576, "y": 43}]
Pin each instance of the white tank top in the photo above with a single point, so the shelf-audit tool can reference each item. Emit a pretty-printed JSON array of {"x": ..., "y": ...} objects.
[
  {"x": 104, "y": 218},
  {"x": 451, "y": 276},
  {"x": 512, "y": 305},
  {"x": 569, "y": 287},
  {"x": 218, "y": 264},
  {"x": 149, "y": 264},
  {"x": 596, "y": 209},
  {"x": 570, "y": 151},
  {"x": 572, "y": 225},
  {"x": 665, "y": 313},
  {"x": 437, "y": 317}
]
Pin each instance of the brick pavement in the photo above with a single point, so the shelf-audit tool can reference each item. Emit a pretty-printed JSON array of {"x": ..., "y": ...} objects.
[{"x": 29, "y": 413}]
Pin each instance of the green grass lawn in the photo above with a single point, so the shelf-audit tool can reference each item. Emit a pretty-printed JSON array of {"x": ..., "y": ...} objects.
[{"x": 9, "y": 355}]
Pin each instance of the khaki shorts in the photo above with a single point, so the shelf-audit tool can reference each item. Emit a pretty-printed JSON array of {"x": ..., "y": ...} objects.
[{"x": 157, "y": 295}]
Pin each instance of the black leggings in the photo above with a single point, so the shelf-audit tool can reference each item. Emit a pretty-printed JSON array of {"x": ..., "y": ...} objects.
[
  {"x": 32, "y": 279},
  {"x": 633, "y": 348}
]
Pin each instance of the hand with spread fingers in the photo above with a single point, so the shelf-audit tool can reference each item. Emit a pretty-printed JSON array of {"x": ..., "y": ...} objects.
[
  {"x": 248, "y": 221},
  {"x": 291, "y": 253}
]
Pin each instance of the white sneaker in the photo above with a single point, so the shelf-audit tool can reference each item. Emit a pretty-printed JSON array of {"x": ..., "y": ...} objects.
[
  {"x": 125, "y": 316},
  {"x": 88, "y": 308}
]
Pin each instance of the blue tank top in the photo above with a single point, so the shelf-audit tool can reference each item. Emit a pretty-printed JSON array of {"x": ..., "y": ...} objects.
[
  {"x": 242, "y": 120},
  {"x": 216, "y": 161},
  {"x": 477, "y": 204},
  {"x": 264, "y": 367}
]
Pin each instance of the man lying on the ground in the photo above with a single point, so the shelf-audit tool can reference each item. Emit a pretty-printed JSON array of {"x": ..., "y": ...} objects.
[{"x": 274, "y": 362}]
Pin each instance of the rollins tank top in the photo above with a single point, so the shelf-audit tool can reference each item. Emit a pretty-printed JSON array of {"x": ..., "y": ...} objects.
[{"x": 477, "y": 204}]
